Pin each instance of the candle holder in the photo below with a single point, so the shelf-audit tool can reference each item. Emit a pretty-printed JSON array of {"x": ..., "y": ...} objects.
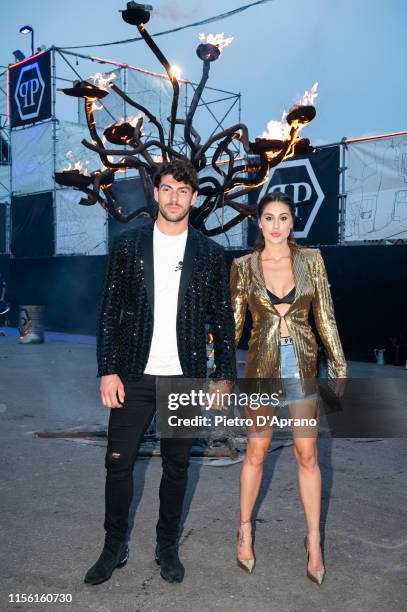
[{"x": 231, "y": 180}]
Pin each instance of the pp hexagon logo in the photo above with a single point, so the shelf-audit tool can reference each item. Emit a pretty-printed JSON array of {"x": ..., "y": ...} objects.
[
  {"x": 297, "y": 179},
  {"x": 29, "y": 91}
]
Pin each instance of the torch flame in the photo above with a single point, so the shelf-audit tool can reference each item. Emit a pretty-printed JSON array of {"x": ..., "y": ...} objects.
[
  {"x": 219, "y": 40},
  {"x": 133, "y": 120},
  {"x": 309, "y": 96},
  {"x": 277, "y": 130},
  {"x": 96, "y": 106},
  {"x": 100, "y": 79},
  {"x": 176, "y": 71},
  {"x": 82, "y": 167}
]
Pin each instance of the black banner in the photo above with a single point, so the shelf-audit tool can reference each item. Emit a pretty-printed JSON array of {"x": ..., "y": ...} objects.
[
  {"x": 30, "y": 90},
  {"x": 313, "y": 183},
  {"x": 130, "y": 196},
  {"x": 3, "y": 226},
  {"x": 32, "y": 225}
]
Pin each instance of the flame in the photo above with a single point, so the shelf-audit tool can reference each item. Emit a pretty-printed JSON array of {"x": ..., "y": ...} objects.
[
  {"x": 176, "y": 71},
  {"x": 100, "y": 80},
  {"x": 210, "y": 342},
  {"x": 309, "y": 96},
  {"x": 219, "y": 40},
  {"x": 96, "y": 106},
  {"x": 277, "y": 130},
  {"x": 133, "y": 120},
  {"x": 79, "y": 165}
]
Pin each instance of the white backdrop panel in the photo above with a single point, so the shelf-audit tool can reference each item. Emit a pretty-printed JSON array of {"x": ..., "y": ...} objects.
[
  {"x": 80, "y": 230},
  {"x": 32, "y": 155},
  {"x": 5, "y": 183},
  {"x": 69, "y": 136},
  {"x": 376, "y": 204}
]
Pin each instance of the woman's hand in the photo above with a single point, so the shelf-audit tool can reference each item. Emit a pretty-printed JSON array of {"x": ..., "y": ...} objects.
[{"x": 337, "y": 386}]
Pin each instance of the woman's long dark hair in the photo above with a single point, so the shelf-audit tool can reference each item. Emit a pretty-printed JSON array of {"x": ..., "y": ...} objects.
[{"x": 275, "y": 196}]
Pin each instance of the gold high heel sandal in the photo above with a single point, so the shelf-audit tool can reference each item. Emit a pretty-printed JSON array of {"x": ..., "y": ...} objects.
[
  {"x": 318, "y": 575},
  {"x": 246, "y": 565}
]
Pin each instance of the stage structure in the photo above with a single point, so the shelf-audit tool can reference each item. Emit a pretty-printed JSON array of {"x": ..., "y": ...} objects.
[
  {"x": 375, "y": 190},
  {"x": 5, "y": 179},
  {"x": 43, "y": 131},
  {"x": 229, "y": 179},
  {"x": 352, "y": 192}
]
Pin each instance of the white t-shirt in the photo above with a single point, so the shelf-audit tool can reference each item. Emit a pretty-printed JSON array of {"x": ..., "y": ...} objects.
[{"x": 168, "y": 256}]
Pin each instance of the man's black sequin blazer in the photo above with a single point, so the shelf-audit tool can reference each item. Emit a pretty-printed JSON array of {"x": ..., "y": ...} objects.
[{"x": 125, "y": 319}]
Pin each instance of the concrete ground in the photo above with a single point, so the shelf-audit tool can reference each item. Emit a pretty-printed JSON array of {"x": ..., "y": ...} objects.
[{"x": 52, "y": 509}]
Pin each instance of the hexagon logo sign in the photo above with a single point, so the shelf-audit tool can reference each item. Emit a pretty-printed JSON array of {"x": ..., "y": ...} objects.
[{"x": 30, "y": 91}]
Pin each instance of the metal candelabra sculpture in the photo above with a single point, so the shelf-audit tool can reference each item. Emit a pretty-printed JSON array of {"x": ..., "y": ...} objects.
[{"x": 230, "y": 182}]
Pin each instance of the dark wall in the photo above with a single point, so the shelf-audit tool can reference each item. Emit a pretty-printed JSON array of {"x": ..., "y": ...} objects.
[
  {"x": 369, "y": 286},
  {"x": 368, "y": 283},
  {"x": 69, "y": 287},
  {"x": 32, "y": 225}
]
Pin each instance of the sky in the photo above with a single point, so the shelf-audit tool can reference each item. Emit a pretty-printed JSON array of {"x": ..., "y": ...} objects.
[{"x": 355, "y": 49}]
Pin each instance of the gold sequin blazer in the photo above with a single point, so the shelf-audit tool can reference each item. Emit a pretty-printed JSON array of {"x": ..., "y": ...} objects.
[{"x": 248, "y": 289}]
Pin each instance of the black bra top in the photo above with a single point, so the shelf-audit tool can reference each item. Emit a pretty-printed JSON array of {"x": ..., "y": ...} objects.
[{"x": 287, "y": 299}]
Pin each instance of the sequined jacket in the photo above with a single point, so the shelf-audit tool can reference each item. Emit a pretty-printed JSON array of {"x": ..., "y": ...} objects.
[
  {"x": 126, "y": 309},
  {"x": 248, "y": 288}
]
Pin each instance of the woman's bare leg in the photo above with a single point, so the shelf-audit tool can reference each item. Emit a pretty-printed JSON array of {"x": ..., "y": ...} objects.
[
  {"x": 309, "y": 481},
  {"x": 250, "y": 481}
]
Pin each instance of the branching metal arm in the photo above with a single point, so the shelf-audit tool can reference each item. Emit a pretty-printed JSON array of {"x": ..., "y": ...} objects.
[
  {"x": 175, "y": 86},
  {"x": 129, "y": 152},
  {"x": 144, "y": 110},
  {"x": 192, "y": 109}
]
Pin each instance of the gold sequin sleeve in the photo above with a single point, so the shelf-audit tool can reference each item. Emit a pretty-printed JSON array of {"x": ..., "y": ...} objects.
[
  {"x": 324, "y": 315},
  {"x": 238, "y": 294}
]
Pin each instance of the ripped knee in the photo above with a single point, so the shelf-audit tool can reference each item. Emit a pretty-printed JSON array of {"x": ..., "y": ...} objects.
[{"x": 115, "y": 460}]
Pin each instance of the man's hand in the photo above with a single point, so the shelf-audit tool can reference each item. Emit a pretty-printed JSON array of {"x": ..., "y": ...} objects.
[{"x": 111, "y": 391}]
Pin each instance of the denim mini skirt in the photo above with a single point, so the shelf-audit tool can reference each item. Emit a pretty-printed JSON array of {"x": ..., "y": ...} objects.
[{"x": 290, "y": 378}]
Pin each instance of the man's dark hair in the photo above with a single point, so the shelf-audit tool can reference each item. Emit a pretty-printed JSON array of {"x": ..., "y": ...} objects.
[{"x": 181, "y": 170}]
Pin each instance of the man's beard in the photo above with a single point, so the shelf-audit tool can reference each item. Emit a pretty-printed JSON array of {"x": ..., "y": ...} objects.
[{"x": 174, "y": 217}]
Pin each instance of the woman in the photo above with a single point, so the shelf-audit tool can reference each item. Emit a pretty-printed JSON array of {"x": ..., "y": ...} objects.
[{"x": 279, "y": 282}]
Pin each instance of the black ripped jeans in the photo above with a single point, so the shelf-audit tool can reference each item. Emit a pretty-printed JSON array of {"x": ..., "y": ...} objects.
[{"x": 127, "y": 425}]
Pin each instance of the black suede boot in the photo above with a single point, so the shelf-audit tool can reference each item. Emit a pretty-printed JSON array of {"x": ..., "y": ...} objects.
[
  {"x": 171, "y": 568},
  {"x": 112, "y": 556}
]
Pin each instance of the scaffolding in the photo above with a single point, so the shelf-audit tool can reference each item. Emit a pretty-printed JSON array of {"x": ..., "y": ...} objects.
[
  {"x": 5, "y": 167},
  {"x": 79, "y": 229}
]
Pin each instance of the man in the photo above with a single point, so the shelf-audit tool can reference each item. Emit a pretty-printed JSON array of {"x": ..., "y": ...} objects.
[{"x": 164, "y": 282}]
